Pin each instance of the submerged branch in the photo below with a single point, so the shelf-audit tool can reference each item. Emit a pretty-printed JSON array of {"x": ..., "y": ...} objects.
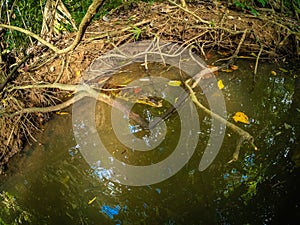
[{"x": 244, "y": 135}]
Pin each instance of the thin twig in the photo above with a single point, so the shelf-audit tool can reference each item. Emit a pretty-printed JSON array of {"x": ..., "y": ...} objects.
[
  {"x": 188, "y": 11},
  {"x": 13, "y": 71},
  {"x": 63, "y": 66},
  {"x": 257, "y": 58},
  {"x": 235, "y": 54}
]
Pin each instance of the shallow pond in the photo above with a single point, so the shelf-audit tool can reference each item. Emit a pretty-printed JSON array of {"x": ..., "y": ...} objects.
[{"x": 52, "y": 183}]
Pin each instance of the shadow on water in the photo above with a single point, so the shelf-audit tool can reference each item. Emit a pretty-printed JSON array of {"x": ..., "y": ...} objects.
[{"x": 53, "y": 183}]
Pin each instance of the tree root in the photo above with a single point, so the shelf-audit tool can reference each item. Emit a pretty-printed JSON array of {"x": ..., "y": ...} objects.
[
  {"x": 80, "y": 91},
  {"x": 235, "y": 54},
  {"x": 13, "y": 71}
]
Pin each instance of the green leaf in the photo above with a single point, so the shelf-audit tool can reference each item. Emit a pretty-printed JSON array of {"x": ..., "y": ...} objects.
[
  {"x": 136, "y": 32},
  {"x": 262, "y": 2},
  {"x": 254, "y": 12}
]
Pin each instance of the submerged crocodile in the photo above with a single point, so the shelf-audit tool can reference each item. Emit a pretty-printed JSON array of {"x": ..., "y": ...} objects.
[{"x": 118, "y": 86}]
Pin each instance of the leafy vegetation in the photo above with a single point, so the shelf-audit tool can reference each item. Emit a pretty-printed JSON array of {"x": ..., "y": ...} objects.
[
  {"x": 291, "y": 7},
  {"x": 23, "y": 14},
  {"x": 29, "y": 15}
]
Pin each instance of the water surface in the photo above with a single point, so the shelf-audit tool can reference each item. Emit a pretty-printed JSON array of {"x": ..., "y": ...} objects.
[{"x": 54, "y": 184}]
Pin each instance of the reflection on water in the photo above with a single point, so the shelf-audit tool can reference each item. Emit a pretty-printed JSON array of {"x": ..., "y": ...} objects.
[{"x": 55, "y": 185}]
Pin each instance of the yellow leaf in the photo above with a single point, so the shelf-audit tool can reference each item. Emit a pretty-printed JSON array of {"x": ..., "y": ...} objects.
[
  {"x": 62, "y": 113},
  {"x": 220, "y": 84},
  {"x": 77, "y": 73},
  {"x": 4, "y": 102},
  {"x": 70, "y": 94},
  {"x": 273, "y": 73},
  {"x": 174, "y": 83},
  {"x": 241, "y": 117},
  {"x": 92, "y": 200}
]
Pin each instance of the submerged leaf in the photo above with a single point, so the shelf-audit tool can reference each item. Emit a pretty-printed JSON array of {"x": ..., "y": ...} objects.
[
  {"x": 287, "y": 126},
  {"x": 220, "y": 84},
  {"x": 283, "y": 70},
  {"x": 241, "y": 117},
  {"x": 273, "y": 73}
]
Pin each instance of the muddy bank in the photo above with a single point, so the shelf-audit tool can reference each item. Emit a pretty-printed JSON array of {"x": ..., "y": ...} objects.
[{"x": 209, "y": 27}]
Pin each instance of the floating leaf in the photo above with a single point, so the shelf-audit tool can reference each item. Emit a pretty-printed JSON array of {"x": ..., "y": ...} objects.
[
  {"x": 273, "y": 73},
  {"x": 62, "y": 113},
  {"x": 233, "y": 67},
  {"x": 174, "y": 83},
  {"x": 220, "y": 84},
  {"x": 298, "y": 110},
  {"x": 92, "y": 200},
  {"x": 241, "y": 117},
  {"x": 227, "y": 70}
]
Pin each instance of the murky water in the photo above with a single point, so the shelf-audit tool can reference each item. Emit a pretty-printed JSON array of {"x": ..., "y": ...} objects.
[{"x": 54, "y": 184}]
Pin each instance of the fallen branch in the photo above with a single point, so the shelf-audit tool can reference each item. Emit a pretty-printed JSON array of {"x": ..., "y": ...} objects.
[
  {"x": 244, "y": 135},
  {"x": 256, "y": 62},
  {"x": 81, "y": 92}
]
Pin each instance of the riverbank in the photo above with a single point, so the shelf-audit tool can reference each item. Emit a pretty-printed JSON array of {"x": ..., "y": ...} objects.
[{"x": 212, "y": 28}]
